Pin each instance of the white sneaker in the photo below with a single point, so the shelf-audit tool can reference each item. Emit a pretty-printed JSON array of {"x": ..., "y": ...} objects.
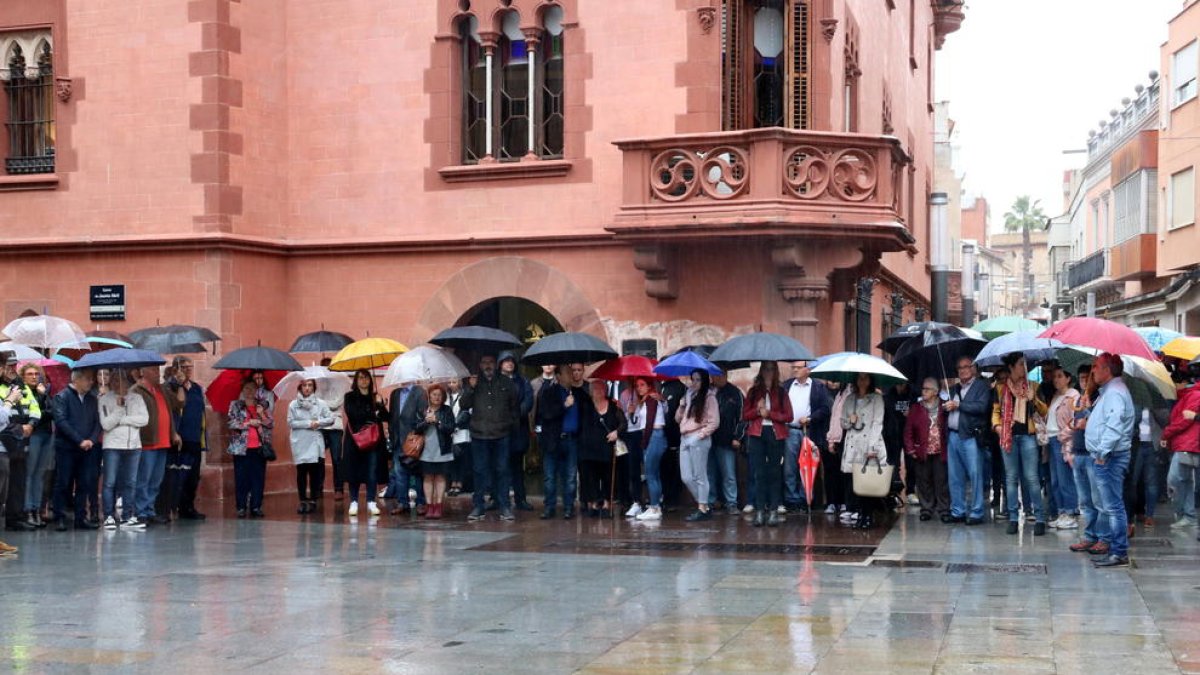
[
  {"x": 848, "y": 516},
  {"x": 651, "y": 513},
  {"x": 110, "y": 523},
  {"x": 831, "y": 509},
  {"x": 373, "y": 508},
  {"x": 781, "y": 510},
  {"x": 1067, "y": 523},
  {"x": 749, "y": 508},
  {"x": 133, "y": 524},
  {"x": 841, "y": 508},
  {"x": 382, "y": 493},
  {"x": 1182, "y": 522},
  {"x": 353, "y": 508},
  {"x": 634, "y": 510},
  {"x": 913, "y": 500}
]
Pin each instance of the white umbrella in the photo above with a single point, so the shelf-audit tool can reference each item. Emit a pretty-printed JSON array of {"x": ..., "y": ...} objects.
[
  {"x": 331, "y": 386},
  {"x": 845, "y": 368},
  {"x": 22, "y": 352},
  {"x": 424, "y": 365},
  {"x": 46, "y": 331}
]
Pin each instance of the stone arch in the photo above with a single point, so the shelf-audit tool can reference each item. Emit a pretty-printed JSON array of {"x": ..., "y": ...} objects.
[{"x": 512, "y": 276}]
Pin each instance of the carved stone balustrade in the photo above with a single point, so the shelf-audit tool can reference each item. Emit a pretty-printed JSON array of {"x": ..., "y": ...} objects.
[{"x": 764, "y": 182}]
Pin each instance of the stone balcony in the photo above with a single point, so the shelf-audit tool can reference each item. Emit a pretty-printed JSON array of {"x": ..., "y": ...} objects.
[{"x": 773, "y": 182}]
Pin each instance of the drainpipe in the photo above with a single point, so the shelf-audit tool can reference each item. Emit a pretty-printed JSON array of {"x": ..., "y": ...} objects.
[{"x": 939, "y": 255}]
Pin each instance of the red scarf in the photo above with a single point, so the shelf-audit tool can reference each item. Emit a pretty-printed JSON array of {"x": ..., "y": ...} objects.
[{"x": 1008, "y": 405}]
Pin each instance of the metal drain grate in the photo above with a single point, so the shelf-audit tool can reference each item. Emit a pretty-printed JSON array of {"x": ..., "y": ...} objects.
[
  {"x": 995, "y": 568},
  {"x": 1151, "y": 542},
  {"x": 909, "y": 564},
  {"x": 709, "y": 547}
]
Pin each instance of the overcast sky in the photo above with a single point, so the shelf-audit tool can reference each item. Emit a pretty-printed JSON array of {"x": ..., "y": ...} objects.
[{"x": 1026, "y": 79}]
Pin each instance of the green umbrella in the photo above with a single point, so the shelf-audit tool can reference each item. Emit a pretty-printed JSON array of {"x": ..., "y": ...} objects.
[{"x": 1003, "y": 325}]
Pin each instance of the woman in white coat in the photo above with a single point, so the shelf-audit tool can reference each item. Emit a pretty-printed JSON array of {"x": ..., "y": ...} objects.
[
  {"x": 122, "y": 417},
  {"x": 862, "y": 439},
  {"x": 307, "y": 417}
]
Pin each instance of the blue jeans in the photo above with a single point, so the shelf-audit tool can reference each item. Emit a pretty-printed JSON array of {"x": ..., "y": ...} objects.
[
  {"x": 1088, "y": 493},
  {"x": 964, "y": 461},
  {"x": 560, "y": 466},
  {"x": 1021, "y": 468},
  {"x": 1145, "y": 470},
  {"x": 120, "y": 480},
  {"x": 401, "y": 479},
  {"x": 41, "y": 450},
  {"x": 1182, "y": 481},
  {"x": 1063, "y": 480},
  {"x": 1111, "y": 477},
  {"x": 722, "y": 475},
  {"x": 490, "y": 456},
  {"x": 151, "y": 468},
  {"x": 654, "y": 454}
]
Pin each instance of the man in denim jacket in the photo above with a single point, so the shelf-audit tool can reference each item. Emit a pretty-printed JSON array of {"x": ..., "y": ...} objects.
[{"x": 1109, "y": 436}]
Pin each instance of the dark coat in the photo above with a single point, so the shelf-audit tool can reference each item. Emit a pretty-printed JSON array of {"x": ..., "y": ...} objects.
[
  {"x": 975, "y": 411},
  {"x": 495, "y": 406},
  {"x": 916, "y": 432},
  {"x": 729, "y": 406},
  {"x": 402, "y": 419},
  {"x": 895, "y": 417},
  {"x": 444, "y": 424},
  {"x": 361, "y": 410},
  {"x": 76, "y": 421},
  {"x": 672, "y": 393},
  {"x": 594, "y": 429}
]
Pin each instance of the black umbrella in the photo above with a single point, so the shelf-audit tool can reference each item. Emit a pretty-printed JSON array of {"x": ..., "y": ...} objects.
[
  {"x": 174, "y": 339},
  {"x": 760, "y": 347},
  {"x": 257, "y": 358},
  {"x": 935, "y": 352},
  {"x": 476, "y": 338},
  {"x": 561, "y": 348},
  {"x": 320, "y": 342},
  {"x": 893, "y": 342}
]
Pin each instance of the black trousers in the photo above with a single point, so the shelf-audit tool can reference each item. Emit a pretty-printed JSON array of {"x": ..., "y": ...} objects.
[
  {"x": 766, "y": 462},
  {"x": 672, "y": 481},
  {"x": 333, "y": 444},
  {"x": 595, "y": 480},
  {"x": 832, "y": 478},
  {"x": 14, "y": 504},
  {"x": 310, "y": 478},
  {"x": 933, "y": 488}
]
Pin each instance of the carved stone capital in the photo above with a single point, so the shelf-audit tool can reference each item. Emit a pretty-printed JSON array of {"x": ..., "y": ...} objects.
[
  {"x": 532, "y": 37},
  {"x": 707, "y": 17},
  {"x": 62, "y": 88},
  {"x": 829, "y": 28},
  {"x": 657, "y": 264}
]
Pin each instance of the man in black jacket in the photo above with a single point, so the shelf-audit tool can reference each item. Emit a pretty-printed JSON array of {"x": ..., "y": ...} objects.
[
  {"x": 518, "y": 441},
  {"x": 970, "y": 411},
  {"x": 672, "y": 393},
  {"x": 726, "y": 441},
  {"x": 811, "y": 404},
  {"x": 77, "y": 433},
  {"x": 896, "y": 401},
  {"x": 493, "y": 401}
]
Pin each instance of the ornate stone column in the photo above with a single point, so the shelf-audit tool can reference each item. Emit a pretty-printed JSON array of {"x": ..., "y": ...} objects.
[{"x": 809, "y": 276}]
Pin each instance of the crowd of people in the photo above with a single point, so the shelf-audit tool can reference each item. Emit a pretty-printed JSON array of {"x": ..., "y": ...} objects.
[{"x": 124, "y": 447}]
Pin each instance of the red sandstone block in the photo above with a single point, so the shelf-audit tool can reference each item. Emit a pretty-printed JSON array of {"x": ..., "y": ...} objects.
[
  {"x": 210, "y": 62},
  {"x": 221, "y": 36},
  {"x": 217, "y": 89},
  {"x": 206, "y": 116},
  {"x": 210, "y": 167},
  {"x": 208, "y": 10}
]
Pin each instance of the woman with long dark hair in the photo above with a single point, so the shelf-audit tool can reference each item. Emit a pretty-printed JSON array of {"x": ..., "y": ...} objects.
[
  {"x": 767, "y": 411},
  {"x": 698, "y": 418},
  {"x": 1017, "y": 401},
  {"x": 363, "y": 406}
]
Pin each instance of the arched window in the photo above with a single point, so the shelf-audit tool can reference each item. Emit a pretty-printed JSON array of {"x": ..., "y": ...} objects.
[
  {"x": 513, "y": 89},
  {"x": 29, "y": 118},
  {"x": 765, "y": 56}
]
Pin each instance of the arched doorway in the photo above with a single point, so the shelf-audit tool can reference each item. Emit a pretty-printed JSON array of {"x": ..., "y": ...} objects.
[{"x": 525, "y": 319}]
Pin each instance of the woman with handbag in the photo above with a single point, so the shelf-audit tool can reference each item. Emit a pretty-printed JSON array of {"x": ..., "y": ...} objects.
[
  {"x": 1014, "y": 421},
  {"x": 600, "y": 425},
  {"x": 924, "y": 440},
  {"x": 250, "y": 445},
  {"x": 365, "y": 416},
  {"x": 864, "y": 456},
  {"x": 437, "y": 453},
  {"x": 307, "y": 416}
]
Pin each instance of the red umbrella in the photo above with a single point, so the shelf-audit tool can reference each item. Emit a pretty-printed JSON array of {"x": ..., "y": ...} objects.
[
  {"x": 58, "y": 374},
  {"x": 1107, "y": 336},
  {"x": 227, "y": 386},
  {"x": 625, "y": 368},
  {"x": 810, "y": 458}
]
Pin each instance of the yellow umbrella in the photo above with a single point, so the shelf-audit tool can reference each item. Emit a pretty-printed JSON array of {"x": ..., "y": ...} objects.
[
  {"x": 1186, "y": 348},
  {"x": 366, "y": 354}
]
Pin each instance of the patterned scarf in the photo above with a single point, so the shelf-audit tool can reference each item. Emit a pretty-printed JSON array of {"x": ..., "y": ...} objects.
[{"x": 1010, "y": 412}]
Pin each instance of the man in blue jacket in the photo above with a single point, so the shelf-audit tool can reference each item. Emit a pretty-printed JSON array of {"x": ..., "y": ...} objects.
[
  {"x": 77, "y": 433},
  {"x": 1109, "y": 437},
  {"x": 518, "y": 442},
  {"x": 970, "y": 409},
  {"x": 811, "y": 403}
]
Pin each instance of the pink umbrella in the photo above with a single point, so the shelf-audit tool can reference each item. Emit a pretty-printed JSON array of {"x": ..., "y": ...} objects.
[
  {"x": 1107, "y": 336},
  {"x": 58, "y": 373}
]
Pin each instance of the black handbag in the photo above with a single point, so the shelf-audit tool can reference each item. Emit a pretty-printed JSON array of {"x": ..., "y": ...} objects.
[{"x": 268, "y": 452}]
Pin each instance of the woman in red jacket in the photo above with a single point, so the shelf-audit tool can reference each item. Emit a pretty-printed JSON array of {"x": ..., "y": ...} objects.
[
  {"x": 925, "y": 443},
  {"x": 1182, "y": 436},
  {"x": 767, "y": 411}
]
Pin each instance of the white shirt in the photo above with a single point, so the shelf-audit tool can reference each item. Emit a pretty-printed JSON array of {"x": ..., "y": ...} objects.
[
  {"x": 1144, "y": 427},
  {"x": 800, "y": 394}
]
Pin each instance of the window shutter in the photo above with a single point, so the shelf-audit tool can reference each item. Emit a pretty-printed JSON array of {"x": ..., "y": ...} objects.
[
  {"x": 798, "y": 106},
  {"x": 732, "y": 65}
]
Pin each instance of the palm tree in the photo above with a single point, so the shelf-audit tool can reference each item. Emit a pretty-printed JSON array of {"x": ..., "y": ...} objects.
[{"x": 1026, "y": 215}]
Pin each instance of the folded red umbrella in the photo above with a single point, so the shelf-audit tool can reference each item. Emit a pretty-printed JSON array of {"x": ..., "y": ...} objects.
[
  {"x": 1102, "y": 334},
  {"x": 625, "y": 368},
  {"x": 228, "y": 386},
  {"x": 810, "y": 458}
]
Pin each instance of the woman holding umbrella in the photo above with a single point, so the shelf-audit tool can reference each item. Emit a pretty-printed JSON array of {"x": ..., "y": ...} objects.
[
  {"x": 363, "y": 407},
  {"x": 862, "y": 441},
  {"x": 1013, "y": 415},
  {"x": 767, "y": 410}
]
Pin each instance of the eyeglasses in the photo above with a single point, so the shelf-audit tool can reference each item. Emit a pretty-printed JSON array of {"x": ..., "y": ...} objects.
[
  {"x": 966, "y": 367},
  {"x": 928, "y": 388}
]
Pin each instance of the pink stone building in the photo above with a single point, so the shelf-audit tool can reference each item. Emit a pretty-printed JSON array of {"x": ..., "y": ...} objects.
[{"x": 673, "y": 172}]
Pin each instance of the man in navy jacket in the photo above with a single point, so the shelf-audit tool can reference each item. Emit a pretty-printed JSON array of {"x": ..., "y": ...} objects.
[
  {"x": 811, "y": 403},
  {"x": 77, "y": 433},
  {"x": 970, "y": 407}
]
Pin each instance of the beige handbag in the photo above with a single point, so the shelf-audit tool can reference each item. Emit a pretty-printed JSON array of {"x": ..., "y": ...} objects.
[{"x": 873, "y": 481}]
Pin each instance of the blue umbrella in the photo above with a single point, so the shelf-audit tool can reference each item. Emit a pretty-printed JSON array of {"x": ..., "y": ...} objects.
[
  {"x": 63, "y": 358},
  {"x": 1036, "y": 349},
  {"x": 1157, "y": 337},
  {"x": 681, "y": 364},
  {"x": 120, "y": 357}
]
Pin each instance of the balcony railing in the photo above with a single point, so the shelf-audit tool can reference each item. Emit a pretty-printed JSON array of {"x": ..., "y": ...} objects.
[
  {"x": 1091, "y": 268},
  {"x": 1134, "y": 258},
  {"x": 773, "y": 179}
]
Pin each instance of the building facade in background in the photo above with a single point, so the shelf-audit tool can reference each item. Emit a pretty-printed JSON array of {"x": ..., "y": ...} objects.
[{"x": 659, "y": 172}]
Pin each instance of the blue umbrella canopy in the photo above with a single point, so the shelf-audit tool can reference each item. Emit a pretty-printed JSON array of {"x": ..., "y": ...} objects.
[
  {"x": 761, "y": 347},
  {"x": 1035, "y": 349},
  {"x": 681, "y": 364},
  {"x": 1157, "y": 337},
  {"x": 121, "y": 357}
]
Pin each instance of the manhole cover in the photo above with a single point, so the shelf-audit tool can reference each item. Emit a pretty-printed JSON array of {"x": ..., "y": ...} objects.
[
  {"x": 1151, "y": 542},
  {"x": 995, "y": 568},
  {"x": 908, "y": 564}
]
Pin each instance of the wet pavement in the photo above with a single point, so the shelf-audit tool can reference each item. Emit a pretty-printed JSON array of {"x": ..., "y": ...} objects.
[{"x": 406, "y": 595}]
